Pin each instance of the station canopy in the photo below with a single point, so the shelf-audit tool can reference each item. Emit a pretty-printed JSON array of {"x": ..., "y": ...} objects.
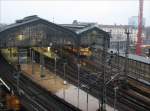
[{"x": 34, "y": 31}]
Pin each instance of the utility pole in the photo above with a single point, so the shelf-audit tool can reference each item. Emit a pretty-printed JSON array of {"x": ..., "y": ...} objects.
[
  {"x": 115, "y": 97},
  {"x": 126, "y": 54},
  {"x": 32, "y": 53},
  {"x": 18, "y": 70},
  {"x": 104, "y": 57},
  {"x": 78, "y": 66}
]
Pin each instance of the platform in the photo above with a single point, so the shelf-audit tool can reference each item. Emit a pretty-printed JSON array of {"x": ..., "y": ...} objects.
[{"x": 68, "y": 92}]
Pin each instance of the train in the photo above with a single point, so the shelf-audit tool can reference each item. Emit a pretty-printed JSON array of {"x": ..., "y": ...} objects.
[{"x": 83, "y": 50}]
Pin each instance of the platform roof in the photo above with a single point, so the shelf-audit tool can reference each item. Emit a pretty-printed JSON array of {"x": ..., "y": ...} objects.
[
  {"x": 71, "y": 28},
  {"x": 31, "y": 19}
]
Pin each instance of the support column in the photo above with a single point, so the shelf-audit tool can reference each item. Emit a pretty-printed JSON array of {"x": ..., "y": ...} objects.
[
  {"x": 18, "y": 71},
  {"x": 55, "y": 67},
  {"x": 87, "y": 100},
  {"x": 42, "y": 65},
  {"x": 32, "y": 62},
  {"x": 30, "y": 56},
  {"x": 78, "y": 66},
  {"x": 104, "y": 55}
]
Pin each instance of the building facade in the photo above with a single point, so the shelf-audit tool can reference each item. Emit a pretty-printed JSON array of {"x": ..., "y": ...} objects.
[
  {"x": 134, "y": 21},
  {"x": 119, "y": 37}
]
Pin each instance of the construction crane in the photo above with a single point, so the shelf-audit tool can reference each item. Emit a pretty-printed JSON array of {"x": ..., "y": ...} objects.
[{"x": 140, "y": 25}]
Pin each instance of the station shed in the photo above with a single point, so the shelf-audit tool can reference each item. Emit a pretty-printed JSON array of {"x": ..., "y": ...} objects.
[{"x": 33, "y": 31}]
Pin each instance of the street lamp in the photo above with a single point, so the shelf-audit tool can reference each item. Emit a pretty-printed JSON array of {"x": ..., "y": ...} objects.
[
  {"x": 18, "y": 71},
  {"x": 42, "y": 65},
  {"x": 32, "y": 61},
  {"x": 65, "y": 82},
  {"x": 78, "y": 66},
  {"x": 87, "y": 87},
  {"x": 127, "y": 32},
  {"x": 30, "y": 55},
  {"x": 55, "y": 66},
  {"x": 115, "y": 98},
  {"x": 50, "y": 45}
]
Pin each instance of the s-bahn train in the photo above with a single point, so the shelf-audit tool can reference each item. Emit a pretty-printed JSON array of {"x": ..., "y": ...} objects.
[{"x": 83, "y": 51}]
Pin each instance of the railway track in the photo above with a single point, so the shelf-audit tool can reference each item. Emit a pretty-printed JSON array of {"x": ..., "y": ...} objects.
[
  {"x": 123, "y": 97},
  {"x": 40, "y": 99}
]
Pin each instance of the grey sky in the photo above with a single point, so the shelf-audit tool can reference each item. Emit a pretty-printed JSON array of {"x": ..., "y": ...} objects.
[{"x": 102, "y": 11}]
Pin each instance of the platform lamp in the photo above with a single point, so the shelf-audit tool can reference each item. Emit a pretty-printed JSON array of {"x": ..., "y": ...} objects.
[
  {"x": 42, "y": 68},
  {"x": 78, "y": 66},
  {"x": 65, "y": 82},
  {"x": 55, "y": 65},
  {"x": 18, "y": 38},
  {"x": 65, "y": 63},
  {"x": 50, "y": 45},
  {"x": 33, "y": 61},
  {"x": 18, "y": 70},
  {"x": 115, "y": 97}
]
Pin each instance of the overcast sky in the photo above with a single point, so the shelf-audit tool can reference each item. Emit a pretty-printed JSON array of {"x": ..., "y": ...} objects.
[{"x": 101, "y": 11}]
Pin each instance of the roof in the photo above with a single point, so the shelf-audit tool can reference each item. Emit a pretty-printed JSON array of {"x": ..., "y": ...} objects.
[
  {"x": 80, "y": 28},
  {"x": 31, "y": 19},
  {"x": 76, "y": 29},
  {"x": 19, "y": 24},
  {"x": 72, "y": 26},
  {"x": 116, "y": 26}
]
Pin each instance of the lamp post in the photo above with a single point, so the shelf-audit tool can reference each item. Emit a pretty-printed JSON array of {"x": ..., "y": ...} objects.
[
  {"x": 33, "y": 61},
  {"x": 78, "y": 66},
  {"x": 65, "y": 73},
  {"x": 30, "y": 55},
  {"x": 65, "y": 82},
  {"x": 55, "y": 66},
  {"x": 18, "y": 71},
  {"x": 126, "y": 54},
  {"x": 87, "y": 107},
  {"x": 115, "y": 98},
  {"x": 104, "y": 58},
  {"x": 118, "y": 53},
  {"x": 42, "y": 65}
]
